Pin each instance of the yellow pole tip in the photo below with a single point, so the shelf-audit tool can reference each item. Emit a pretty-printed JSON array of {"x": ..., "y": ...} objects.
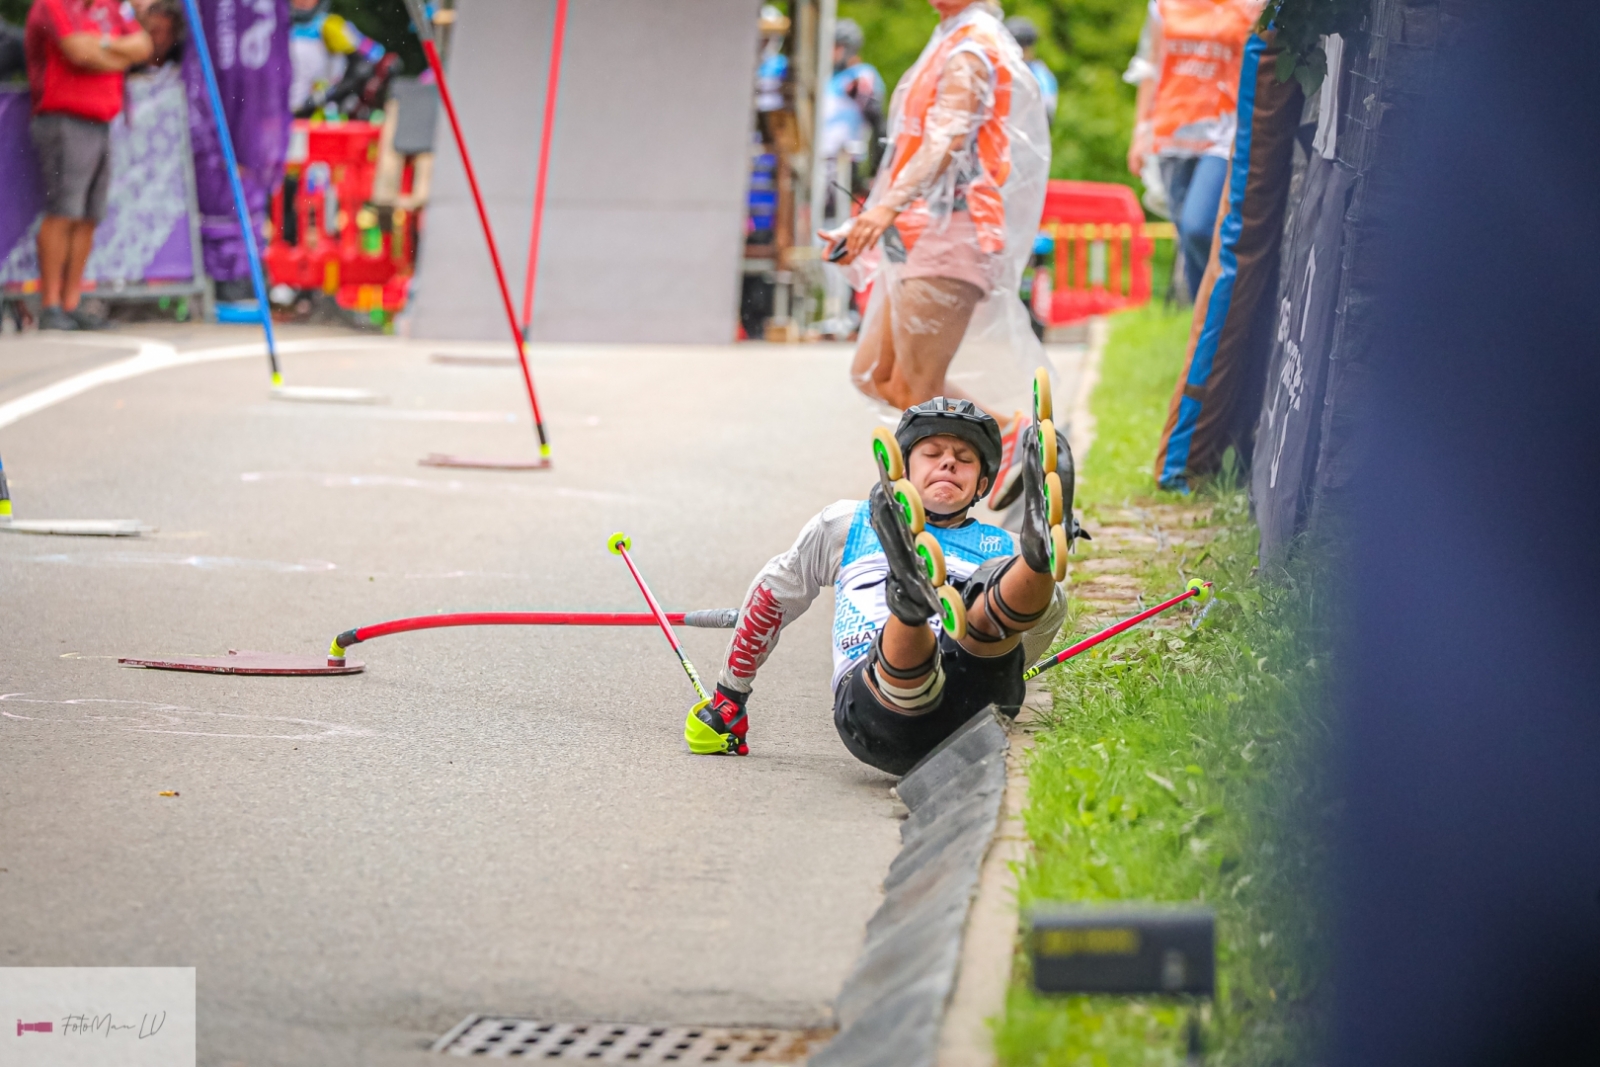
[
  {"x": 277, "y": 381},
  {"x": 544, "y": 451},
  {"x": 618, "y": 542},
  {"x": 5, "y": 509},
  {"x": 335, "y": 651}
]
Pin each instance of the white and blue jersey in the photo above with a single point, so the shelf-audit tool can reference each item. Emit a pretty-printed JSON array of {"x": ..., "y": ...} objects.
[{"x": 839, "y": 547}]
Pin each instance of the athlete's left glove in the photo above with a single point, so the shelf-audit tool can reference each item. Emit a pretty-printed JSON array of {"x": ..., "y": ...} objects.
[{"x": 718, "y": 726}]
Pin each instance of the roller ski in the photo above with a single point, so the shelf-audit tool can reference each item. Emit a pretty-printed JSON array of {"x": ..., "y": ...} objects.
[
  {"x": 1046, "y": 502},
  {"x": 917, "y": 586}
]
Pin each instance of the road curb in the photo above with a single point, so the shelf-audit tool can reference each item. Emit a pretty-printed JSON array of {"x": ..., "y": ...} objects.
[{"x": 892, "y": 1007}]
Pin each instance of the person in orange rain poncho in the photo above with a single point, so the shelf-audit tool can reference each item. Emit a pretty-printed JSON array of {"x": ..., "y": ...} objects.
[
  {"x": 949, "y": 225},
  {"x": 1187, "y": 71}
]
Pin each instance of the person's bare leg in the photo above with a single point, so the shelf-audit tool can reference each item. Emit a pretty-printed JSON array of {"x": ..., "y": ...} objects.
[
  {"x": 55, "y": 239},
  {"x": 874, "y": 362},
  {"x": 928, "y": 319},
  {"x": 904, "y": 648},
  {"x": 1024, "y": 590},
  {"x": 80, "y": 244}
]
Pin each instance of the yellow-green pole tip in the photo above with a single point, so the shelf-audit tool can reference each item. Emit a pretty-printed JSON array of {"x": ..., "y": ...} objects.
[{"x": 617, "y": 542}]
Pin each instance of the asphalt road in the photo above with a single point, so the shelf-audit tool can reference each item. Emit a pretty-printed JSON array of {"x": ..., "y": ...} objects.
[{"x": 500, "y": 820}]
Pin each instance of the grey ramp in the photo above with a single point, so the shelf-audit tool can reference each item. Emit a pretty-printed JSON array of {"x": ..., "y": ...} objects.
[
  {"x": 892, "y": 1005},
  {"x": 644, "y": 208}
]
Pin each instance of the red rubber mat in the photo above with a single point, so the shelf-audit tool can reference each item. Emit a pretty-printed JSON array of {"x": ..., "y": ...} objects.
[
  {"x": 440, "y": 459},
  {"x": 246, "y": 663}
]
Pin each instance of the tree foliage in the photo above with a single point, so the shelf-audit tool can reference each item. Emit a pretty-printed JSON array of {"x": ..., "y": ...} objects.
[
  {"x": 1087, "y": 43},
  {"x": 1301, "y": 25}
]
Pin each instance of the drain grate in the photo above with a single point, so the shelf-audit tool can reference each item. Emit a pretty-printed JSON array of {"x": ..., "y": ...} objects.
[{"x": 487, "y": 1035}]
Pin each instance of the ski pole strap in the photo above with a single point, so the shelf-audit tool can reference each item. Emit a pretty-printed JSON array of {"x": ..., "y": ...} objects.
[{"x": 1199, "y": 589}]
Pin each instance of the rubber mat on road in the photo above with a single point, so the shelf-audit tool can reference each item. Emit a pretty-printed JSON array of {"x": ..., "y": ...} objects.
[
  {"x": 236, "y": 662},
  {"x": 488, "y": 1035}
]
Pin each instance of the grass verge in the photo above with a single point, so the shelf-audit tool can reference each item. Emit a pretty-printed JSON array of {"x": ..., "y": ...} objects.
[{"x": 1180, "y": 761}]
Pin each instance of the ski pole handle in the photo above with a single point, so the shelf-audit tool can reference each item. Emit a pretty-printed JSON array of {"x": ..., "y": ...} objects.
[{"x": 1198, "y": 588}]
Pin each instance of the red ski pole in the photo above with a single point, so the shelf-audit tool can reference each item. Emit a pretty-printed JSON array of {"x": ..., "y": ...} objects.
[
  {"x": 711, "y": 618},
  {"x": 419, "y": 19},
  {"x": 619, "y": 543},
  {"x": 1199, "y": 589},
  {"x": 551, "y": 86}
]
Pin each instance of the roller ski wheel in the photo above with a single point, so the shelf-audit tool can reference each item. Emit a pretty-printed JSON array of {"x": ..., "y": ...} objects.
[
  {"x": 909, "y": 501},
  {"x": 886, "y": 450},
  {"x": 952, "y": 612},
  {"x": 932, "y": 557},
  {"x": 1054, "y": 509},
  {"x": 1048, "y": 452},
  {"x": 1059, "y": 544},
  {"x": 1043, "y": 406}
]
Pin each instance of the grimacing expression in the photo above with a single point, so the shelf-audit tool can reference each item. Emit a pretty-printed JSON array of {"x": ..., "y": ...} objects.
[{"x": 946, "y": 472}]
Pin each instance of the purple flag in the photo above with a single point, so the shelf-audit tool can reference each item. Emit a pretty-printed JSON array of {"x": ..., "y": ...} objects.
[{"x": 250, "y": 49}]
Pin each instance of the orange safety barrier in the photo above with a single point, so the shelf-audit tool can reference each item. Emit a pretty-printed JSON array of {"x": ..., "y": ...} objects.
[
  {"x": 1101, "y": 260},
  {"x": 328, "y": 237}
]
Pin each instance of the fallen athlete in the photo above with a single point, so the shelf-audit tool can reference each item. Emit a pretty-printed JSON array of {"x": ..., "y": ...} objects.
[{"x": 931, "y": 624}]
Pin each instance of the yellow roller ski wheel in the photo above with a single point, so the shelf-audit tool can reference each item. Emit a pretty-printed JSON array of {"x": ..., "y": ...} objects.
[
  {"x": 1053, "y": 496},
  {"x": 1043, "y": 407},
  {"x": 886, "y": 450},
  {"x": 909, "y": 501},
  {"x": 702, "y": 739},
  {"x": 952, "y": 612},
  {"x": 1058, "y": 553},
  {"x": 932, "y": 557},
  {"x": 1047, "y": 444}
]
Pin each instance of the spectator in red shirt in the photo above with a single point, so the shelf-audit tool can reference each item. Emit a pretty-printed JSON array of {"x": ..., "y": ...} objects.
[{"x": 77, "y": 51}]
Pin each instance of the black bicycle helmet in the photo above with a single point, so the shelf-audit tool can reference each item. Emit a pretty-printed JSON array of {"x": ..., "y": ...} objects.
[
  {"x": 848, "y": 33},
  {"x": 1023, "y": 29},
  {"x": 958, "y": 418}
]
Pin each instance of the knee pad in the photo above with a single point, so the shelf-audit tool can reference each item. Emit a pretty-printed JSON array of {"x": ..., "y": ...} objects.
[{"x": 891, "y": 682}]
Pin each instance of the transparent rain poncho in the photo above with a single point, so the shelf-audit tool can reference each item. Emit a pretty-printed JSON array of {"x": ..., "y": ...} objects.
[{"x": 967, "y": 166}]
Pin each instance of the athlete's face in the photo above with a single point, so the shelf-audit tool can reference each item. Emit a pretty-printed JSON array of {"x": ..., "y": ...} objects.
[
  {"x": 945, "y": 471},
  {"x": 946, "y": 8}
]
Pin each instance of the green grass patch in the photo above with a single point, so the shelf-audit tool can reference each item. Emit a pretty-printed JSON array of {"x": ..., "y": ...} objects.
[
  {"x": 1137, "y": 373},
  {"x": 1182, "y": 764}
]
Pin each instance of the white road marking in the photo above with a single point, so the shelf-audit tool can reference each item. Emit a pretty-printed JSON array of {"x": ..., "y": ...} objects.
[
  {"x": 151, "y": 356},
  {"x": 204, "y": 563}
]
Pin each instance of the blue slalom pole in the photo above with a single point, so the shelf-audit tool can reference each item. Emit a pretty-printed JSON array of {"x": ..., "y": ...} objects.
[{"x": 197, "y": 33}]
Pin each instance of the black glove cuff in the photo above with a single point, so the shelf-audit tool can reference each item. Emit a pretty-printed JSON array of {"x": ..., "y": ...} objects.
[{"x": 733, "y": 696}]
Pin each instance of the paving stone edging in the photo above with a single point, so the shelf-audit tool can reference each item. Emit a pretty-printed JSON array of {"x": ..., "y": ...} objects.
[{"x": 892, "y": 1006}]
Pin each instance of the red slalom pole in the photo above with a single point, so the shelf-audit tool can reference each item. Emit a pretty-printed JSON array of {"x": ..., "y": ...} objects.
[
  {"x": 1200, "y": 590},
  {"x": 419, "y": 18},
  {"x": 557, "y": 36},
  {"x": 711, "y": 618},
  {"x": 619, "y": 543}
]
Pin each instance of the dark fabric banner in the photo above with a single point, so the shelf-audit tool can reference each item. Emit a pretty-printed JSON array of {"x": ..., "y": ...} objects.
[
  {"x": 1214, "y": 404},
  {"x": 1291, "y": 413},
  {"x": 145, "y": 237},
  {"x": 250, "y": 50}
]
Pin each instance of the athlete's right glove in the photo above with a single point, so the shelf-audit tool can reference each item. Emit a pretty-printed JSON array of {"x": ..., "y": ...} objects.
[{"x": 718, "y": 726}]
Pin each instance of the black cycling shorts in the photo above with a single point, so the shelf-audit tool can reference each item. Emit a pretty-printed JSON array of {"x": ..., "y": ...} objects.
[{"x": 893, "y": 741}]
